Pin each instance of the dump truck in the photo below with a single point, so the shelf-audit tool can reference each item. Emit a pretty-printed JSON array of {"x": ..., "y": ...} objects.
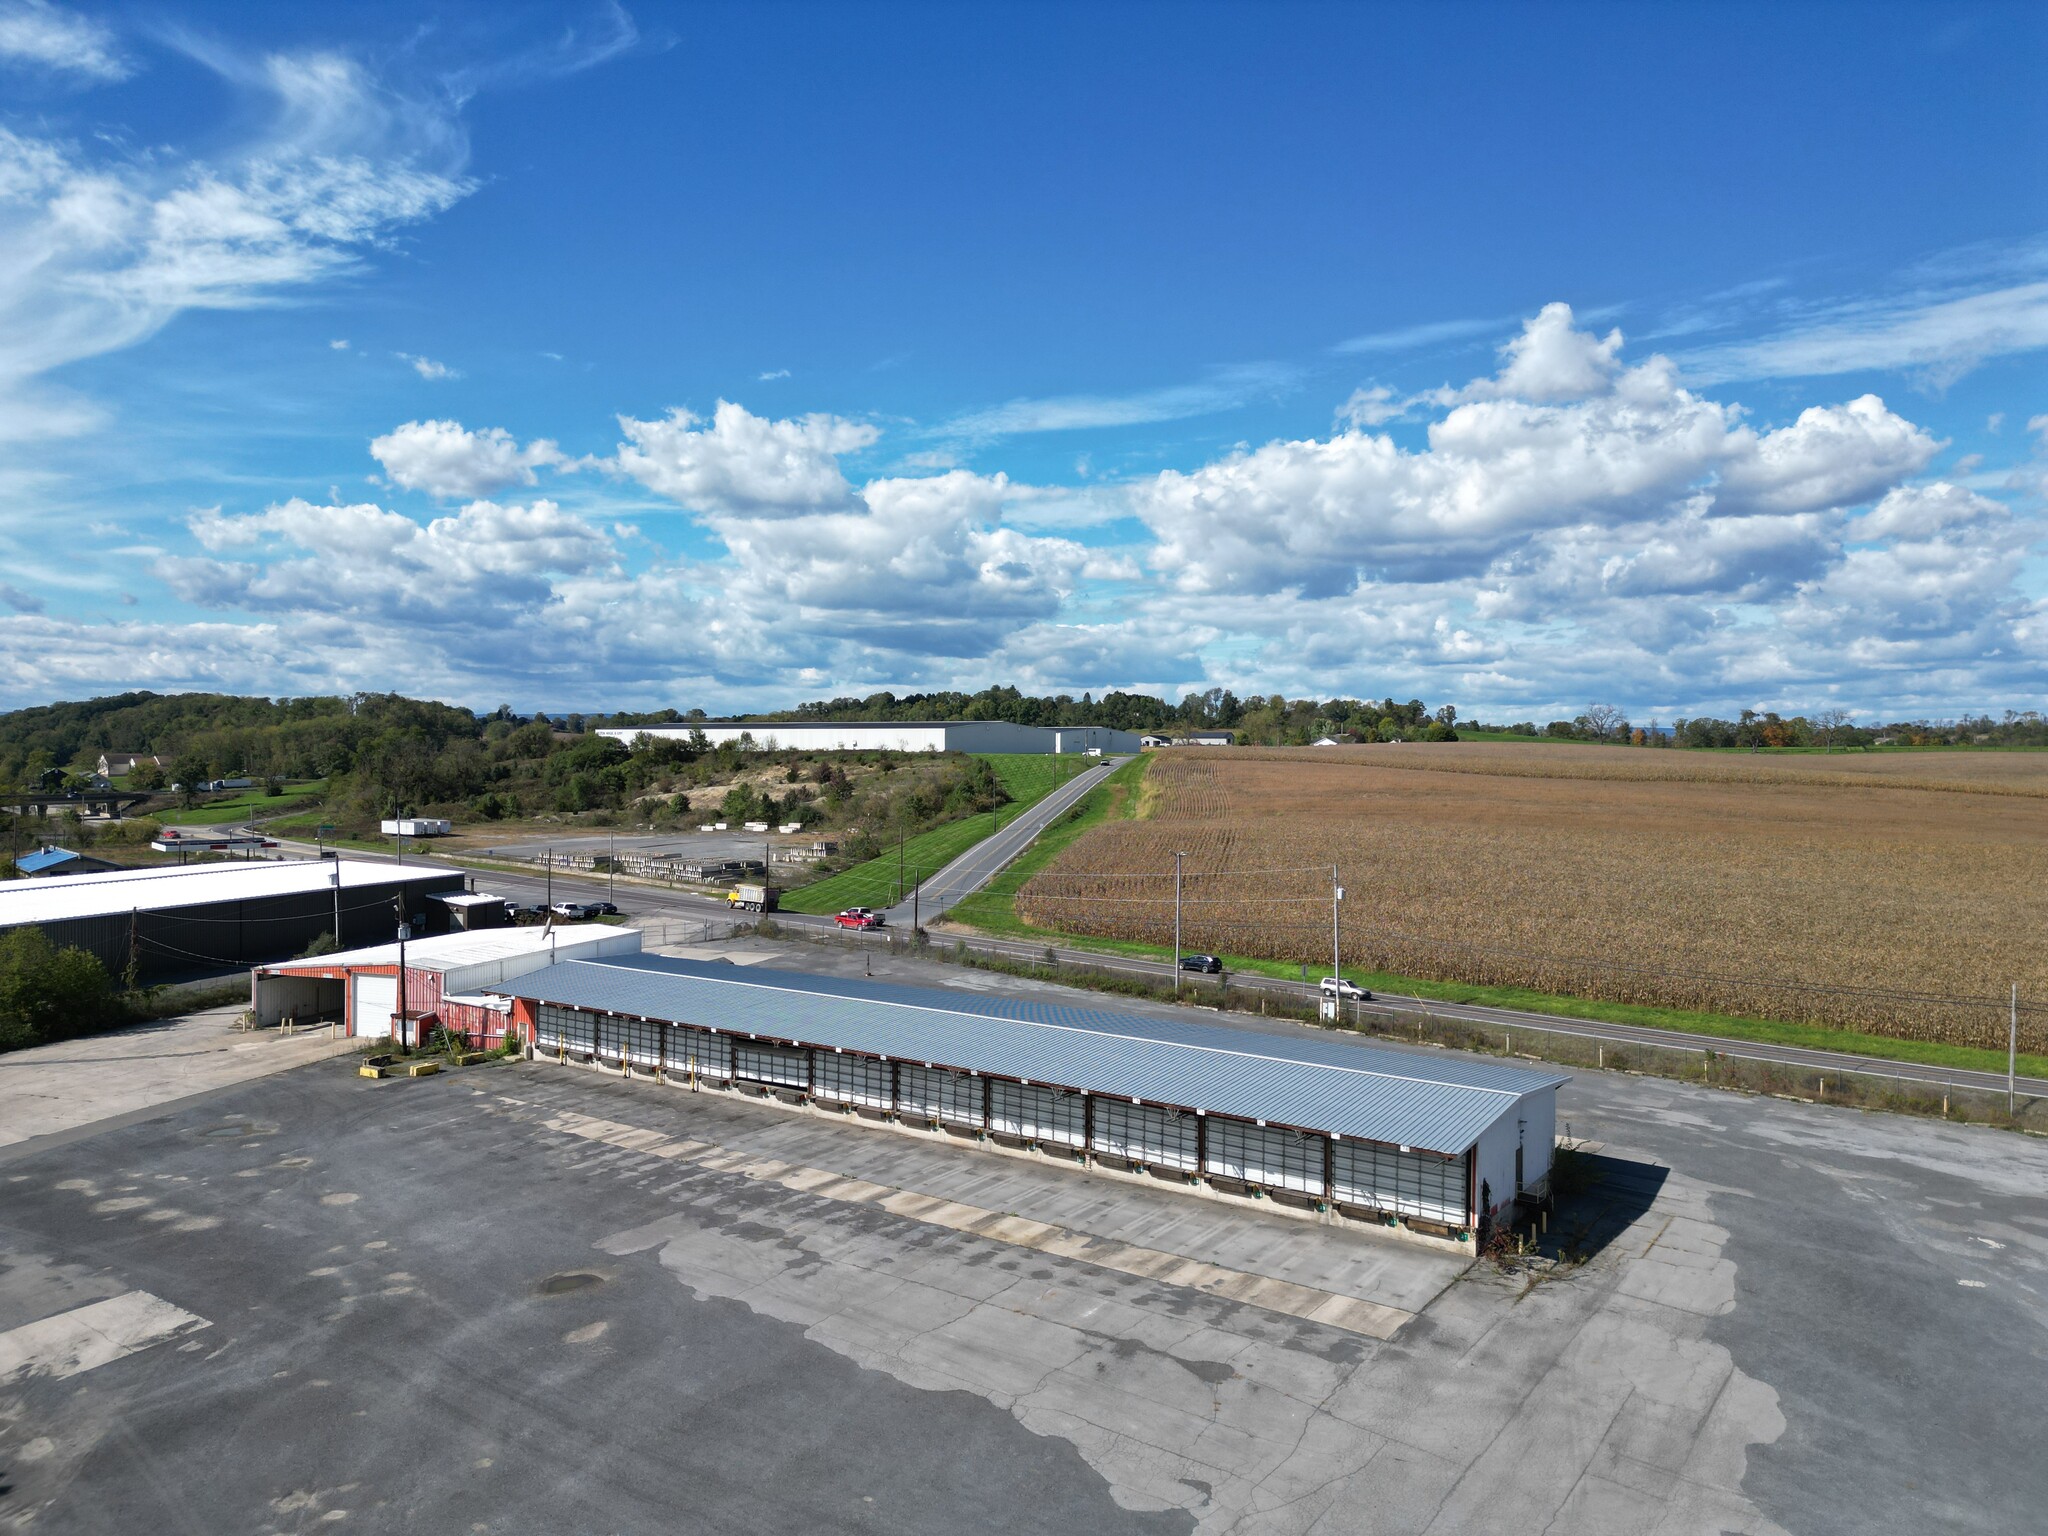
[{"x": 751, "y": 897}]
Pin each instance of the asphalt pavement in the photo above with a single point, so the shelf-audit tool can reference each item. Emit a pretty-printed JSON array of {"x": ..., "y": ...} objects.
[{"x": 524, "y": 1298}]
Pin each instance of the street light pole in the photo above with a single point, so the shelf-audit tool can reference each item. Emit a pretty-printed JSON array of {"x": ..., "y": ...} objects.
[
  {"x": 337, "y": 905},
  {"x": 2012, "y": 1052}
]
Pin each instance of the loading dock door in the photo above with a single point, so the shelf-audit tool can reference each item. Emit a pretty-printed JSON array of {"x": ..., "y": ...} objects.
[
  {"x": 374, "y": 1000},
  {"x": 1145, "y": 1133},
  {"x": 1380, "y": 1178}
]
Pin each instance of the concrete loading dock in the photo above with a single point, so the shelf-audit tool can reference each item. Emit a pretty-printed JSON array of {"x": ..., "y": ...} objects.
[
  {"x": 173, "y": 923},
  {"x": 443, "y": 976},
  {"x": 1433, "y": 1144}
]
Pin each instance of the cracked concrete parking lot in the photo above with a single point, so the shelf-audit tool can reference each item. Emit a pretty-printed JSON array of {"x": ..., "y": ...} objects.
[{"x": 526, "y": 1298}]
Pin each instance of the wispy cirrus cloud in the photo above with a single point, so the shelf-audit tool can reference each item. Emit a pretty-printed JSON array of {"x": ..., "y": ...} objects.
[
  {"x": 35, "y": 32},
  {"x": 1226, "y": 389},
  {"x": 105, "y": 246},
  {"x": 1947, "y": 315},
  {"x": 427, "y": 368},
  {"x": 1409, "y": 337},
  {"x": 1942, "y": 339}
]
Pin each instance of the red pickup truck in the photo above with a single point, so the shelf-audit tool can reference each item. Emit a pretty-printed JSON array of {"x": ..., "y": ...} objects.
[{"x": 859, "y": 917}]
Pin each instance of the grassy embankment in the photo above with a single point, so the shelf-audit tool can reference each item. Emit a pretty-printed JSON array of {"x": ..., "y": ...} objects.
[
  {"x": 297, "y": 797},
  {"x": 1026, "y": 777},
  {"x": 993, "y": 911}
]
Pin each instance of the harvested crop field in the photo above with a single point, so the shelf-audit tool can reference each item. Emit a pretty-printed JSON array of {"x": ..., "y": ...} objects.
[{"x": 1894, "y": 894}]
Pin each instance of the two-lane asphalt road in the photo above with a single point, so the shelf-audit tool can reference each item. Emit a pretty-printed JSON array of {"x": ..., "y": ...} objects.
[{"x": 987, "y": 858}]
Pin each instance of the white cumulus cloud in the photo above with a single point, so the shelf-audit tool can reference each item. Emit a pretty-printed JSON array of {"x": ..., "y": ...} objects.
[
  {"x": 448, "y": 461},
  {"x": 742, "y": 463},
  {"x": 1564, "y": 437}
]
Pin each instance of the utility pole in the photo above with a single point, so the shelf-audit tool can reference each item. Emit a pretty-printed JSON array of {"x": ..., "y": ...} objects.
[
  {"x": 551, "y": 877},
  {"x": 1177, "y": 857},
  {"x": 899, "y": 862},
  {"x": 404, "y": 928},
  {"x": 611, "y": 867},
  {"x": 916, "y": 894},
  {"x": 2012, "y": 1052},
  {"x": 336, "y": 871},
  {"x": 1336, "y": 924}
]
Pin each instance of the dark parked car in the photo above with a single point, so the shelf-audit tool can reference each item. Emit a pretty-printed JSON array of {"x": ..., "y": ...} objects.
[
  {"x": 601, "y": 909},
  {"x": 1208, "y": 965}
]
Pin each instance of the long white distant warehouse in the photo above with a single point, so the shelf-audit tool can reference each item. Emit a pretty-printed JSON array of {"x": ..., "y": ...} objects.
[
  {"x": 892, "y": 736},
  {"x": 204, "y": 917}
]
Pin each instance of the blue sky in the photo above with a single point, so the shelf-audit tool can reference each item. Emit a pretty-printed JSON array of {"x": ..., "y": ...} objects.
[{"x": 576, "y": 356}]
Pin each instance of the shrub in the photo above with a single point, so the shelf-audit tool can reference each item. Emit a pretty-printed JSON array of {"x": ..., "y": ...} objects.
[{"x": 47, "y": 993}]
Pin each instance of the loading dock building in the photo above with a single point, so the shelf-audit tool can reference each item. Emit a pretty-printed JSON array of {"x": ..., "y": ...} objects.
[
  {"x": 1432, "y": 1142},
  {"x": 445, "y": 980},
  {"x": 893, "y": 736},
  {"x": 172, "y": 923}
]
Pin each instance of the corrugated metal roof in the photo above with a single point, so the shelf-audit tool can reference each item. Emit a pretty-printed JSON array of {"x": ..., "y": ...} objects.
[
  {"x": 45, "y": 858},
  {"x": 1368, "y": 1092},
  {"x": 122, "y": 891},
  {"x": 450, "y": 951}
]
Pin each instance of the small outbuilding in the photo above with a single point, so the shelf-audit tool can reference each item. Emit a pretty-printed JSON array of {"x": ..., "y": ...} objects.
[
  {"x": 444, "y": 979},
  {"x": 473, "y": 911},
  {"x": 47, "y": 861}
]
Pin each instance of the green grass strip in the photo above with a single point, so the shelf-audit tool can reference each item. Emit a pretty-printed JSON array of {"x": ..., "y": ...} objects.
[
  {"x": 993, "y": 908},
  {"x": 1027, "y": 777}
]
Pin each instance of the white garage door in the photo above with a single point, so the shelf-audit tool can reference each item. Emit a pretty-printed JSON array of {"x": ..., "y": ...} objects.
[{"x": 375, "y": 999}]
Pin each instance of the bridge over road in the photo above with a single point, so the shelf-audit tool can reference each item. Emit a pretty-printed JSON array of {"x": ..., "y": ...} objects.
[{"x": 111, "y": 803}]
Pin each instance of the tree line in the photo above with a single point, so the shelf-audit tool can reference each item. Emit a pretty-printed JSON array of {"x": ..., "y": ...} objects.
[{"x": 1827, "y": 730}]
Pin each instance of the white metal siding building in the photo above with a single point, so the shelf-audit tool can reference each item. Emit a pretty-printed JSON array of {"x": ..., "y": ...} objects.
[
  {"x": 360, "y": 987},
  {"x": 1365, "y": 1130},
  {"x": 883, "y": 736},
  {"x": 200, "y": 917}
]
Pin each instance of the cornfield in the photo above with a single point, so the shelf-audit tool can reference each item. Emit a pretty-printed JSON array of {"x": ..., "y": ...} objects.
[{"x": 1892, "y": 895}]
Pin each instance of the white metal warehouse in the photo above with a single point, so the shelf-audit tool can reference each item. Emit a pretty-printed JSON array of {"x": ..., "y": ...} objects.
[
  {"x": 1428, "y": 1140},
  {"x": 893, "y": 736}
]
